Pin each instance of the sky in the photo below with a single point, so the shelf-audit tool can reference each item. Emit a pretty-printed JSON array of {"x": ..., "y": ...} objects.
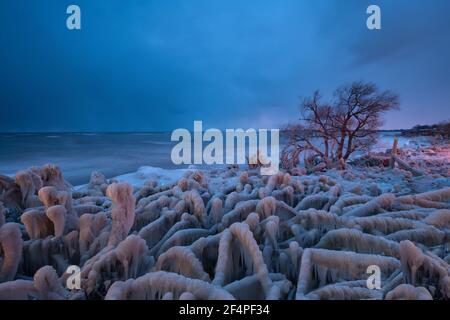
[{"x": 158, "y": 65}]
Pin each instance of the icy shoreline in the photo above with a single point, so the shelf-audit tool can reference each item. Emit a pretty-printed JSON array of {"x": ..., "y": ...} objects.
[
  {"x": 112, "y": 154},
  {"x": 229, "y": 233}
]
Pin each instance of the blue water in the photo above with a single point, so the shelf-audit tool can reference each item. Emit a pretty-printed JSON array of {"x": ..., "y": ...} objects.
[{"x": 78, "y": 154}]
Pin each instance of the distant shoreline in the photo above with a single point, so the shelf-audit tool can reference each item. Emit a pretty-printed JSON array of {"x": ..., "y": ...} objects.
[{"x": 125, "y": 132}]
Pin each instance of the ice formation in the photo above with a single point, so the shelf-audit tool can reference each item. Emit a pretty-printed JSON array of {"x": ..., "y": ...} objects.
[{"x": 229, "y": 233}]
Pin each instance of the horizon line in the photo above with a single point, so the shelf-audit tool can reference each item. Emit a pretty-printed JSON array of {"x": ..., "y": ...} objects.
[{"x": 151, "y": 131}]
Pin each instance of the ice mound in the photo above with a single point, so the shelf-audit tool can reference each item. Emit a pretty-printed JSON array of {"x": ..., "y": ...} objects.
[{"x": 229, "y": 233}]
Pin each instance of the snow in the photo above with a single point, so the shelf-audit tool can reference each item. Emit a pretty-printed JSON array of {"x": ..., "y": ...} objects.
[
  {"x": 386, "y": 140},
  {"x": 162, "y": 176}
]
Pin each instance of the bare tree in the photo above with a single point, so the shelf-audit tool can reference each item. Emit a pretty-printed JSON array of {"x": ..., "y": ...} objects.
[{"x": 333, "y": 131}]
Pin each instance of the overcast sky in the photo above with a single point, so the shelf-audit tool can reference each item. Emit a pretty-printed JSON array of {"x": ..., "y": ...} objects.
[{"x": 143, "y": 65}]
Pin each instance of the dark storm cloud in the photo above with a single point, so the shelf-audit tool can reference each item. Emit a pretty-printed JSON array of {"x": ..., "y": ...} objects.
[{"x": 159, "y": 65}]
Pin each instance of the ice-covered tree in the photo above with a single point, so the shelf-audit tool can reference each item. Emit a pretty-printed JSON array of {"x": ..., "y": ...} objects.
[{"x": 334, "y": 130}]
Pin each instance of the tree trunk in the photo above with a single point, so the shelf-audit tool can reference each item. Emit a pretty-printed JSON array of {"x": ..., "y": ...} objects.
[
  {"x": 394, "y": 153},
  {"x": 340, "y": 149},
  {"x": 349, "y": 147}
]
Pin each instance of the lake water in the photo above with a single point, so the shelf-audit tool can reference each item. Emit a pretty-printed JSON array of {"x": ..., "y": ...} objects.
[{"x": 78, "y": 154}]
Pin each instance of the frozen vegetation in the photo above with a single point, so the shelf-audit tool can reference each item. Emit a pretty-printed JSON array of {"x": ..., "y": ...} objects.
[{"x": 229, "y": 233}]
